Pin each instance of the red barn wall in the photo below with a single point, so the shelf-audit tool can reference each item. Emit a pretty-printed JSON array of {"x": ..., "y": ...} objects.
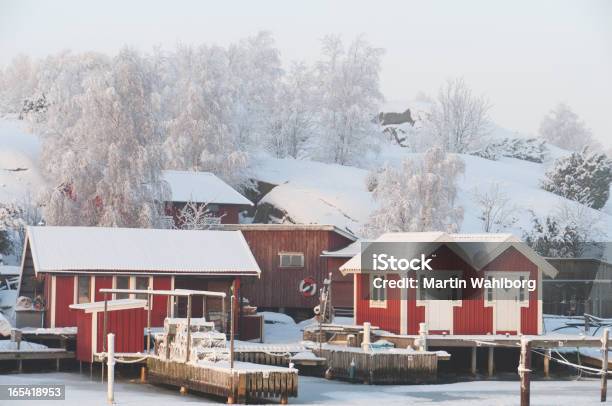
[
  {"x": 83, "y": 342},
  {"x": 128, "y": 326},
  {"x": 278, "y": 287},
  {"x": 160, "y": 303},
  {"x": 387, "y": 318},
  {"x": 102, "y": 282},
  {"x": 64, "y": 297}
]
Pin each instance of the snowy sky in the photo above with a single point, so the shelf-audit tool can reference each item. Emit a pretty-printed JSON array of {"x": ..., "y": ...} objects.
[{"x": 525, "y": 55}]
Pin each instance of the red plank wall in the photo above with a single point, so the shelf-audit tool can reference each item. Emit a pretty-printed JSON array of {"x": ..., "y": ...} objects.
[
  {"x": 102, "y": 282},
  {"x": 160, "y": 303},
  {"x": 64, "y": 297},
  {"x": 128, "y": 326},
  {"x": 387, "y": 318}
]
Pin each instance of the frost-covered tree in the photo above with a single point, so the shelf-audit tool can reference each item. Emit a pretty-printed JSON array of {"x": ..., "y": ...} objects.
[
  {"x": 196, "y": 216},
  {"x": 582, "y": 176},
  {"x": 295, "y": 113},
  {"x": 459, "y": 120},
  {"x": 496, "y": 212},
  {"x": 526, "y": 149},
  {"x": 565, "y": 233},
  {"x": 563, "y": 128},
  {"x": 106, "y": 159},
  {"x": 14, "y": 218},
  {"x": 348, "y": 85},
  {"x": 18, "y": 82},
  {"x": 418, "y": 196},
  {"x": 217, "y": 104}
]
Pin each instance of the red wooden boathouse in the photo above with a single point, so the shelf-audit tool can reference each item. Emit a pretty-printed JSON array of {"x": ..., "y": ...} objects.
[
  {"x": 465, "y": 312},
  {"x": 69, "y": 265},
  {"x": 288, "y": 254}
]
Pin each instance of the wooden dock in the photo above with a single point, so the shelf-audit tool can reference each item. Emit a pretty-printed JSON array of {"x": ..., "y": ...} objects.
[
  {"x": 50, "y": 354},
  {"x": 387, "y": 366},
  {"x": 246, "y": 382}
]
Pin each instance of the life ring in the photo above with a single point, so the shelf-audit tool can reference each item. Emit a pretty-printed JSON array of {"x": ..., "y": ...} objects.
[{"x": 308, "y": 287}]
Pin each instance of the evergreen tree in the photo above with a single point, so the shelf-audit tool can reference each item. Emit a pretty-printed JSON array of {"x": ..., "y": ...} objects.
[{"x": 582, "y": 176}]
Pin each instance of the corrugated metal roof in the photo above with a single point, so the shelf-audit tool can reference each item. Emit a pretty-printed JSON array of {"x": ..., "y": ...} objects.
[
  {"x": 202, "y": 187},
  {"x": 87, "y": 249}
]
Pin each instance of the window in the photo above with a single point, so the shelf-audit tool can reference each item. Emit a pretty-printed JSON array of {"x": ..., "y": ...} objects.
[
  {"x": 522, "y": 290},
  {"x": 141, "y": 283},
  {"x": 122, "y": 282},
  {"x": 378, "y": 295},
  {"x": 83, "y": 289},
  {"x": 490, "y": 290},
  {"x": 291, "y": 259}
]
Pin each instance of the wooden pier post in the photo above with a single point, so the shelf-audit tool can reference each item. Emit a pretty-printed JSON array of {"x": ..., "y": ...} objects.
[
  {"x": 423, "y": 336},
  {"x": 547, "y": 364},
  {"x": 365, "y": 344},
  {"x": 110, "y": 390},
  {"x": 473, "y": 367},
  {"x": 491, "y": 362},
  {"x": 143, "y": 374},
  {"x": 188, "y": 330},
  {"x": 524, "y": 369},
  {"x": 604, "y": 364}
]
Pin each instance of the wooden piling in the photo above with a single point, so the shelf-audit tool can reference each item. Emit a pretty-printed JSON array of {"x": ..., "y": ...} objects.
[
  {"x": 524, "y": 369},
  {"x": 547, "y": 364},
  {"x": 604, "y": 364},
  {"x": 473, "y": 368},
  {"x": 143, "y": 374},
  {"x": 491, "y": 362}
]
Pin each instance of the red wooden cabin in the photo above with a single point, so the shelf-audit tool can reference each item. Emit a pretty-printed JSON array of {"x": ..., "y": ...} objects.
[
  {"x": 69, "y": 265},
  {"x": 465, "y": 312},
  {"x": 288, "y": 254},
  {"x": 221, "y": 200},
  {"x": 126, "y": 318}
]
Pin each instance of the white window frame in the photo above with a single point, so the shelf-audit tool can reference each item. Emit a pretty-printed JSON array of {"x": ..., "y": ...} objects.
[
  {"x": 133, "y": 285},
  {"x": 291, "y": 254},
  {"x": 75, "y": 297},
  {"x": 377, "y": 303},
  {"x": 115, "y": 284}
]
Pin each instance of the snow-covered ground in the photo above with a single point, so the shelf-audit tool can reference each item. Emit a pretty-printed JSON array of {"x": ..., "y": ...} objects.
[{"x": 80, "y": 389}]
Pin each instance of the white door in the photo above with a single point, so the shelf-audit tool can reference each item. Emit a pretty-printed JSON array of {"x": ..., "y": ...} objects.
[
  {"x": 439, "y": 303},
  {"x": 507, "y": 304},
  {"x": 439, "y": 315}
]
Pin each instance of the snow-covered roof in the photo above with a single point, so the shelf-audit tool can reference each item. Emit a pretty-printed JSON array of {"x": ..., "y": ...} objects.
[
  {"x": 290, "y": 227},
  {"x": 119, "y": 304},
  {"x": 201, "y": 187},
  {"x": 89, "y": 249},
  {"x": 347, "y": 252},
  {"x": 478, "y": 255},
  {"x": 9, "y": 270}
]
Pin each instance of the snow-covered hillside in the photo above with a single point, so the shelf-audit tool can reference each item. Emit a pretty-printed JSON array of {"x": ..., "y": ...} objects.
[
  {"x": 312, "y": 192},
  {"x": 19, "y": 153}
]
